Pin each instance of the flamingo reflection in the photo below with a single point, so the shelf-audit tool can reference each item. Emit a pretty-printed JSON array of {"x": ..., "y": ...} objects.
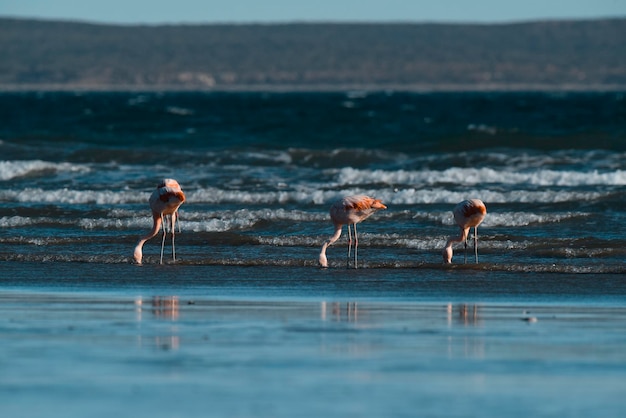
[
  {"x": 164, "y": 308},
  {"x": 349, "y": 313},
  {"x": 466, "y": 314}
]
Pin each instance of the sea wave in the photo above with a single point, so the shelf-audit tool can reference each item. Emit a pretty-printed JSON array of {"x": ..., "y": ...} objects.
[
  {"x": 304, "y": 195},
  {"x": 476, "y": 176},
  {"x": 72, "y": 196},
  {"x": 222, "y": 221},
  {"x": 392, "y": 196},
  {"x": 21, "y": 168},
  {"x": 506, "y": 218}
]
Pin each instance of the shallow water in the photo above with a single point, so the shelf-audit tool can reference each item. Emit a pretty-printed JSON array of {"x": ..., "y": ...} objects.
[{"x": 282, "y": 341}]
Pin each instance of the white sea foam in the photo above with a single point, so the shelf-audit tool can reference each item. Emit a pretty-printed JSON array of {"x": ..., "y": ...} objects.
[
  {"x": 517, "y": 219},
  {"x": 440, "y": 195},
  {"x": 20, "y": 221},
  {"x": 217, "y": 225},
  {"x": 505, "y": 219},
  {"x": 227, "y": 220},
  {"x": 189, "y": 220},
  {"x": 180, "y": 111},
  {"x": 305, "y": 196},
  {"x": 215, "y": 195},
  {"x": 145, "y": 222},
  {"x": 20, "y": 168},
  {"x": 273, "y": 214},
  {"x": 16, "y": 221},
  {"x": 270, "y": 156},
  {"x": 71, "y": 196},
  {"x": 99, "y": 223},
  {"x": 474, "y": 176}
]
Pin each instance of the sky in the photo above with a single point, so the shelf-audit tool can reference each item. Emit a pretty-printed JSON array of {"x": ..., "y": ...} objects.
[{"x": 271, "y": 11}]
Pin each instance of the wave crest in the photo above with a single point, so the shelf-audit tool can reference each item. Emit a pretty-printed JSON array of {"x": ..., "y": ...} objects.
[
  {"x": 10, "y": 170},
  {"x": 476, "y": 176}
]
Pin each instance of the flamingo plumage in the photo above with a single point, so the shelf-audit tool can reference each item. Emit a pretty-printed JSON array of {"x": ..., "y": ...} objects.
[
  {"x": 164, "y": 203},
  {"x": 467, "y": 214},
  {"x": 349, "y": 211}
]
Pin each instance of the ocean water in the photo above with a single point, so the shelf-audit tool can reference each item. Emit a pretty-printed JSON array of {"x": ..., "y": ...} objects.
[
  {"x": 244, "y": 322},
  {"x": 261, "y": 170}
]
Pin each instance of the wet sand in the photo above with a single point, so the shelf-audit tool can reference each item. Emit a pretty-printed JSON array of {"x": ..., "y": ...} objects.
[{"x": 85, "y": 344}]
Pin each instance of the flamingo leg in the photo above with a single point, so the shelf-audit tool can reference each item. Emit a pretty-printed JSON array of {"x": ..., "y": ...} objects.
[
  {"x": 476, "y": 243},
  {"x": 356, "y": 246},
  {"x": 349, "y": 246},
  {"x": 465, "y": 252},
  {"x": 164, "y": 233},
  {"x": 173, "y": 220}
]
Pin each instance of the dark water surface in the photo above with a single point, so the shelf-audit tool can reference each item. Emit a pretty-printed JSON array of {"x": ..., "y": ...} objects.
[
  {"x": 244, "y": 323},
  {"x": 260, "y": 171}
]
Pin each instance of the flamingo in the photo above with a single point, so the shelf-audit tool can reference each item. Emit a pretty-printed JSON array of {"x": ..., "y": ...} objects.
[
  {"x": 164, "y": 203},
  {"x": 349, "y": 211},
  {"x": 467, "y": 214}
]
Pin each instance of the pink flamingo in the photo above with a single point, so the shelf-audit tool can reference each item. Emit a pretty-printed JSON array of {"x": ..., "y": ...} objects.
[
  {"x": 164, "y": 203},
  {"x": 349, "y": 211},
  {"x": 467, "y": 214}
]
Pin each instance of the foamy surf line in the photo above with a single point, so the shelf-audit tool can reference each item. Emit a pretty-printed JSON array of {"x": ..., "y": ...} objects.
[
  {"x": 228, "y": 220},
  {"x": 474, "y": 176},
  {"x": 152, "y": 261},
  {"x": 14, "y": 169},
  {"x": 308, "y": 196}
]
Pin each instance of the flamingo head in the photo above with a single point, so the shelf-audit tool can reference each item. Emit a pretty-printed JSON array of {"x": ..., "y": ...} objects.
[
  {"x": 378, "y": 204},
  {"x": 138, "y": 254},
  {"x": 323, "y": 260}
]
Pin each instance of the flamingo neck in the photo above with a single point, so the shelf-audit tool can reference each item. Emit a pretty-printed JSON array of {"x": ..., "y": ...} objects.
[
  {"x": 447, "y": 250},
  {"x": 156, "y": 225},
  {"x": 462, "y": 237},
  {"x": 335, "y": 236},
  {"x": 322, "y": 260}
]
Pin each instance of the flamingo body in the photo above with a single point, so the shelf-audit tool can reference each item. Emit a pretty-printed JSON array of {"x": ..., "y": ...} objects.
[
  {"x": 349, "y": 211},
  {"x": 164, "y": 203},
  {"x": 467, "y": 214}
]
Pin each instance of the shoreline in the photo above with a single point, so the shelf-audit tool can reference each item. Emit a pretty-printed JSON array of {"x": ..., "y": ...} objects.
[{"x": 322, "y": 88}]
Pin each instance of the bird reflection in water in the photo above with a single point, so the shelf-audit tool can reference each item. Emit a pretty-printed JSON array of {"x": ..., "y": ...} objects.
[
  {"x": 165, "y": 308},
  {"x": 467, "y": 314},
  {"x": 468, "y": 344},
  {"x": 349, "y": 313}
]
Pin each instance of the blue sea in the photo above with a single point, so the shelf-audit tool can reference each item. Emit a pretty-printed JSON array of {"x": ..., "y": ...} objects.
[{"x": 244, "y": 323}]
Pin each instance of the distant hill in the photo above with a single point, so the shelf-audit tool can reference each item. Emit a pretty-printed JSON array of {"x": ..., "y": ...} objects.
[{"x": 534, "y": 55}]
